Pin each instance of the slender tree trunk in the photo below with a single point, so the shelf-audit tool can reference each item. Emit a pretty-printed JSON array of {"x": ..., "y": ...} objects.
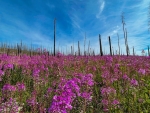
[
  {"x": 71, "y": 51},
  {"x": 110, "y": 46},
  {"x": 148, "y": 51},
  {"x": 89, "y": 48},
  {"x": 127, "y": 47},
  {"x": 100, "y": 44},
  {"x": 84, "y": 45},
  {"x": 133, "y": 51},
  {"x": 118, "y": 43},
  {"x": 78, "y": 48}
]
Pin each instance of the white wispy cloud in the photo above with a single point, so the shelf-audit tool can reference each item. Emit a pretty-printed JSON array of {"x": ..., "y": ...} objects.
[{"x": 102, "y": 5}]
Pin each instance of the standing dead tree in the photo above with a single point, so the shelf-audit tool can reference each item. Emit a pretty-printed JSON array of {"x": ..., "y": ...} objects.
[
  {"x": 133, "y": 51},
  {"x": 89, "y": 48},
  {"x": 148, "y": 51},
  {"x": 78, "y": 48},
  {"x": 125, "y": 33},
  {"x": 100, "y": 44},
  {"x": 110, "y": 45},
  {"x": 84, "y": 44},
  {"x": 118, "y": 43}
]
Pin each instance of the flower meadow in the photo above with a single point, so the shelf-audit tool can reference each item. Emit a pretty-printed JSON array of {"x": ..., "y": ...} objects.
[{"x": 74, "y": 84}]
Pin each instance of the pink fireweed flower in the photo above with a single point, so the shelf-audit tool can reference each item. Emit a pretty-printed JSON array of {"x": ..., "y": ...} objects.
[
  {"x": 105, "y": 75},
  {"x": 68, "y": 90},
  {"x": 36, "y": 72},
  {"x": 11, "y": 106},
  {"x": 49, "y": 90},
  {"x": 87, "y": 79},
  {"x": 117, "y": 65},
  {"x": 94, "y": 68},
  {"x": 115, "y": 102},
  {"x": 107, "y": 91},
  {"x": 1, "y": 72},
  {"x": 21, "y": 86},
  {"x": 8, "y": 66},
  {"x": 134, "y": 82},
  {"x": 86, "y": 96},
  {"x": 105, "y": 109},
  {"x": 142, "y": 71},
  {"x": 32, "y": 101},
  {"x": 61, "y": 104},
  {"x": 113, "y": 79},
  {"x": 8, "y": 87},
  {"x": 104, "y": 102},
  {"x": 125, "y": 77}
]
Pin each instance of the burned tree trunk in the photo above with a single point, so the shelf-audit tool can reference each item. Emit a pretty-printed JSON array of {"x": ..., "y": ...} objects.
[
  {"x": 110, "y": 45},
  {"x": 100, "y": 44}
]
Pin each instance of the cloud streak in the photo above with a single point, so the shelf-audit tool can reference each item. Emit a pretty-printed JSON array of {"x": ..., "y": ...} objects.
[{"x": 102, "y": 5}]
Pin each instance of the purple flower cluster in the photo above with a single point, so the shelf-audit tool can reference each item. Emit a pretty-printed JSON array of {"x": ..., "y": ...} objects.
[
  {"x": 20, "y": 86},
  {"x": 11, "y": 106},
  {"x": 87, "y": 79},
  {"x": 8, "y": 87},
  {"x": 36, "y": 73},
  {"x": 142, "y": 71},
  {"x": 109, "y": 102},
  {"x": 134, "y": 82},
  {"x": 8, "y": 66},
  {"x": 125, "y": 77},
  {"x": 62, "y": 103},
  {"x": 66, "y": 94},
  {"x": 107, "y": 91},
  {"x": 1, "y": 74},
  {"x": 32, "y": 101}
]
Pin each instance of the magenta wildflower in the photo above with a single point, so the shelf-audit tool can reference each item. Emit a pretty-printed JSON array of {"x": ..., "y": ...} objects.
[
  {"x": 86, "y": 96},
  {"x": 107, "y": 91},
  {"x": 1, "y": 72},
  {"x": 60, "y": 104},
  {"x": 36, "y": 73},
  {"x": 32, "y": 101},
  {"x": 94, "y": 68},
  {"x": 87, "y": 79},
  {"x": 142, "y": 71},
  {"x": 125, "y": 77},
  {"x": 49, "y": 90},
  {"x": 134, "y": 82},
  {"x": 20, "y": 86},
  {"x": 8, "y": 66},
  {"x": 104, "y": 102},
  {"x": 11, "y": 106},
  {"x": 115, "y": 102},
  {"x": 105, "y": 109},
  {"x": 8, "y": 87}
]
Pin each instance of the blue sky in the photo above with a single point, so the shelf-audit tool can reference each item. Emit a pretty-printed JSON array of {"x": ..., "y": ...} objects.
[{"x": 32, "y": 22}]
